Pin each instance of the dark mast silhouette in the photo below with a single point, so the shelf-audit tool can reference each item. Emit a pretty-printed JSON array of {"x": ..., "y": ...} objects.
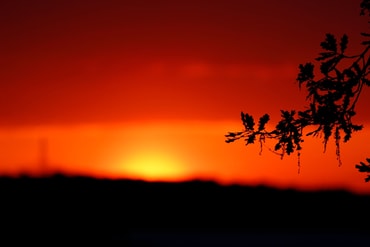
[{"x": 43, "y": 152}]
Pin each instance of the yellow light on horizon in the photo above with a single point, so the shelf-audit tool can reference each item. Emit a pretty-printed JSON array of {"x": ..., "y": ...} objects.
[{"x": 154, "y": 166}]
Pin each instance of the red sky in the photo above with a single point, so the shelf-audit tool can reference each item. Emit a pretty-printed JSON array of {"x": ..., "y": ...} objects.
[{"x": 110, "y": 82}]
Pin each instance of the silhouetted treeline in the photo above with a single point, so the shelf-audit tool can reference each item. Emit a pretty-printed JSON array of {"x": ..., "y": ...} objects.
[{"x": 62, "y": 207}]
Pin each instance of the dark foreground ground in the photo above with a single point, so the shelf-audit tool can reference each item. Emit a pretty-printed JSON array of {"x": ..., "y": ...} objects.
[{"x": 78, "y": 211}]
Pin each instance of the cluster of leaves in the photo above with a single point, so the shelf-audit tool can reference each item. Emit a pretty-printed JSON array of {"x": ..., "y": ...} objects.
[
  {"x": 288, "y": 132},
  {"x": 362, "y": 167},
  {"x": 332, "y": 100},
  {"x": 333, "y": 97}
]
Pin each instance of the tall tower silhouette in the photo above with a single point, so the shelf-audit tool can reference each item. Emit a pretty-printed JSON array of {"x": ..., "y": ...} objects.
[{"x": 43, "y": 156}]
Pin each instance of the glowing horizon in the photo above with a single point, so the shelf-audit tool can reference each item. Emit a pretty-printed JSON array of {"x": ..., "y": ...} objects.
[
  {"x": 101, "y": 88},
  {"x": 178, "y": 151}
]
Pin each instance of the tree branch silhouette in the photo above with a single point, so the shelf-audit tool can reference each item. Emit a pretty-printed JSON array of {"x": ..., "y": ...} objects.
[{"x": 332, "y": 101}]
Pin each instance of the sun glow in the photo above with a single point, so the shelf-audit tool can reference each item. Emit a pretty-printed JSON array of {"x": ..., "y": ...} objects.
[{"x": 154, "y": 166}]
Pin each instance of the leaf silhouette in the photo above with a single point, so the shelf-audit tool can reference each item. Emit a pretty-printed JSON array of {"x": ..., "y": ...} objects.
[{"x": 332, "y": 101}]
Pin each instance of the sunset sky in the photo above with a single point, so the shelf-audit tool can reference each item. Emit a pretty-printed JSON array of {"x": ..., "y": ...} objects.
[{"x": 148, "y": 89}]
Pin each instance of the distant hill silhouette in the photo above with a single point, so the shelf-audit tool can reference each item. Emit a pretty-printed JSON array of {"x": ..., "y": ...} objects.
[{"x": 66, "y": 207}]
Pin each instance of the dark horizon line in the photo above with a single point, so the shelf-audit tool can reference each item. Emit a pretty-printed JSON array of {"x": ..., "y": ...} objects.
[{"x": 201, "y": 182}]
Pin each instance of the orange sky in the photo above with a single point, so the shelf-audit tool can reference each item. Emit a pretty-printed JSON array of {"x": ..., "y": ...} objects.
[{"x": 147, "y": 89}]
